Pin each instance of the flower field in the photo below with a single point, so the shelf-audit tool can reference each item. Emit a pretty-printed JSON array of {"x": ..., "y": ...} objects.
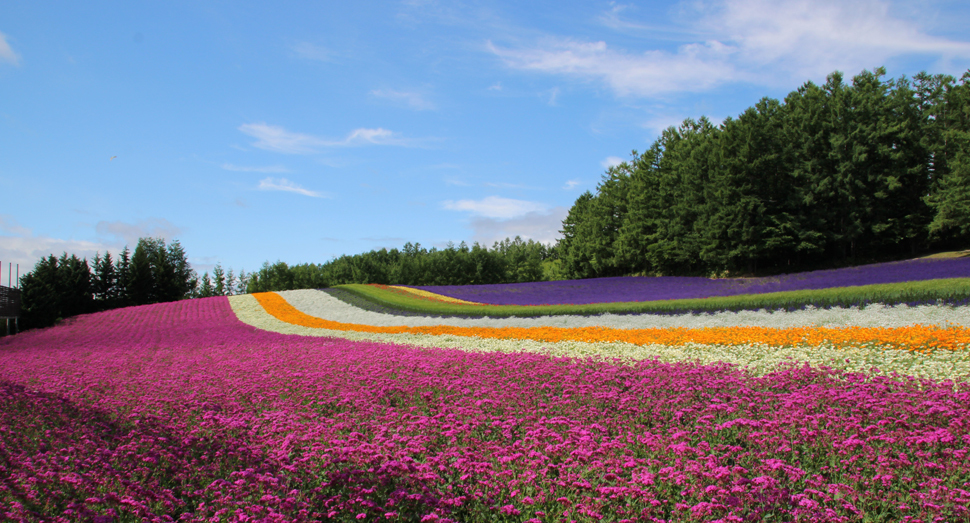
[
  {"x": 296, "y": 406},
  {"x": 627, "y": 289}
]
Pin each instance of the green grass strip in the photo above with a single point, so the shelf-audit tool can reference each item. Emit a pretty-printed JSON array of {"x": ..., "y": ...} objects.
[{"x": 951, "y": 291}]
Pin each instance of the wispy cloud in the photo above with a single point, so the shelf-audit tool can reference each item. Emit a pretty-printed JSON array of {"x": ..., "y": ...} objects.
[
  {"x": 497, "y": 86},
  {"x": 7, "y": 53},
  {"x": 744, "y": 40},
  {"x": 263, "y": 169},
  {"x": 614, "y": 19},
  {"x": 313, "y": 52},
  {"x": 9, "y": 224},
  {"x": 456, "y": 181},
  {"x": 571, "y": 184},
  {"x": 413, "y": 100},
  {"x": 551, "y": 95},
  {"x": 495, "y": 207},
  {"x": 282, "y": 184},
  {"x": 277, "y": 139},
  {"x": 611, "y": 161}
]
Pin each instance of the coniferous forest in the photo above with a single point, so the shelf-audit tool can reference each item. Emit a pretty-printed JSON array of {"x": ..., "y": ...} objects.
[{"x": 832, "y": 175}]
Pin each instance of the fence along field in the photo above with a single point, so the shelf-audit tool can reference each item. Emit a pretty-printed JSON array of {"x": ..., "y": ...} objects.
[{"x": 181, "y": 410}]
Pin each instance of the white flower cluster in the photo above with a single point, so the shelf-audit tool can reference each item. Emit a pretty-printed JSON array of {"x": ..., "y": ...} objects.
[{"x": 756, "y": 358}]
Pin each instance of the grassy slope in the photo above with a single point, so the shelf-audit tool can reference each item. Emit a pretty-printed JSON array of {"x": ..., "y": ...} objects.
[{"x": 953, "y": 290}]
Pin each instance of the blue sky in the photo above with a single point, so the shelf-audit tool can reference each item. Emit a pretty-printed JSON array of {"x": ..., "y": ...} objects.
[{"x": 272, "y": 131}]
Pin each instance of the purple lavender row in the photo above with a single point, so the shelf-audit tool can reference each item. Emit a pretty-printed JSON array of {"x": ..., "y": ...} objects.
[
  {"x": 627, "y": 289},
  {"x": 180, "y": 412}
]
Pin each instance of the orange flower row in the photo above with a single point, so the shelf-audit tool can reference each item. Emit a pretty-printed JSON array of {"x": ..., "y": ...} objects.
[{"x": 914, "y": 338}]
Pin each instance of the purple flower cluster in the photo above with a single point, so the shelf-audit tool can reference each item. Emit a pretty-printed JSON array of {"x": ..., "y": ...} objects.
[
  {"x": 626, "y": 289},
  {"x": 181, "y": 412}
]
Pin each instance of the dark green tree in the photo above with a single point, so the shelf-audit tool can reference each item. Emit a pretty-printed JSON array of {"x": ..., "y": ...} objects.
[
  {"x": 573, "y": 253},
  {"x": 40, "y": 295},
  {"x": 122, "y": 293},
  {"x": 142, "y": 288},
  {"x": 104, "y": 282},
  {"x": 951, "y": 199},
  {"x": 218, "y": 281},
  {"x": 74, "y": 286}
]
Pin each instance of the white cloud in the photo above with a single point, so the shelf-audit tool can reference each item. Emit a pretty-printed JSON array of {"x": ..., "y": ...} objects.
[
  {"x": 313, "y": 52},
  {"x": 282, "y": 184},
  {"x": 20, "y": 246},
  {"x": 744, "y": 40},
  {"x": 412, "y": 100},
  {"x": 277, "y": 139},
  {"x": 571, "y": 184},
  {"x": 495, "y": 207},
  {"x": 7, "y": 53},
  {"x": 537, "y": 226},
  {"x": 497, "y": 86},
  {"x": 611, "y": 161},
  {"x": 816, "y": 37},
  {"x": 27, "y": 251},
  {"x": 695, "y": 67},
  {"x": 129, "y": 233},
  {"x": 264, "y": 169}
]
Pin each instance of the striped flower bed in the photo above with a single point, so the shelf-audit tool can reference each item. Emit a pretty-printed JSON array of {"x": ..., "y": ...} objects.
[{"x": 933, "y": 352}]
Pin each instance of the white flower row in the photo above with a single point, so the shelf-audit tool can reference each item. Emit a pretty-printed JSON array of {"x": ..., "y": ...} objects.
[
  {"x": 322, "y": 305},
  {"x": 756, "y": 358}
]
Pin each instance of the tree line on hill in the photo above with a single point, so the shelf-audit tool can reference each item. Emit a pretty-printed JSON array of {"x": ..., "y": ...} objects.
[
  {"x": 508, "y": 261},
  {"x": 155, "y": 272},
  {"x": 832, "y": 175}
]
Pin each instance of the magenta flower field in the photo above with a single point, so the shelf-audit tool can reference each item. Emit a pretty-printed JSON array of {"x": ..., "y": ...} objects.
[{"x": 179, "y": 412}]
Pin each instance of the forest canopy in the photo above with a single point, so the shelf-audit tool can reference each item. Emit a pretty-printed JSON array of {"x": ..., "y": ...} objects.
[{"x": 832, "y": 175}]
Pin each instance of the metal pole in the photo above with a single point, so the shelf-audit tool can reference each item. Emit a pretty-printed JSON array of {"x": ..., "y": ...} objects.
[{"x": 18, "y": 275}]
